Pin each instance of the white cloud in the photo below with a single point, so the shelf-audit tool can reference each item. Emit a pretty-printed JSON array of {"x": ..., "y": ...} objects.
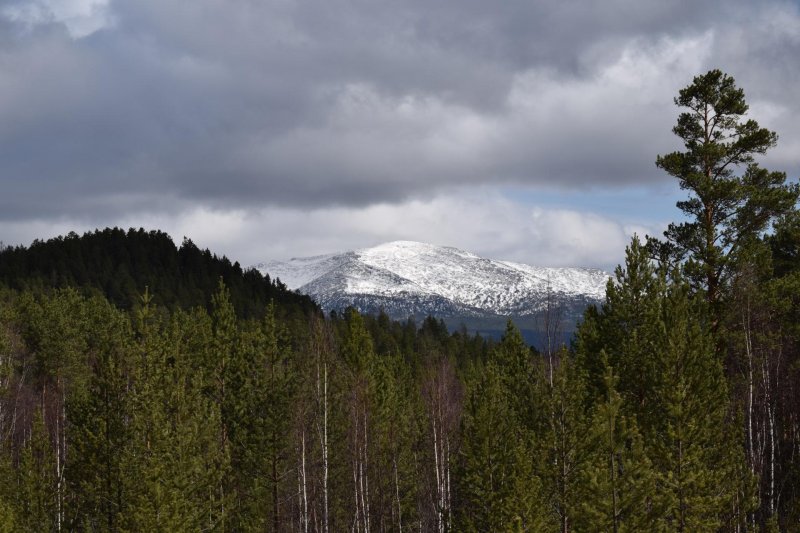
[
  {"x": 276, "y": 128},
  {"x": 603, "y": 128},
  {"x": 482, "y": 222},
  {"x": 81, "y": 17}
]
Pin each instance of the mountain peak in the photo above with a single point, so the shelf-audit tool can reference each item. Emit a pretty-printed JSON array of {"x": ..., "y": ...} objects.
[
  {"x": 414, "y": 278},
  {"x": 401, "y": 244}
]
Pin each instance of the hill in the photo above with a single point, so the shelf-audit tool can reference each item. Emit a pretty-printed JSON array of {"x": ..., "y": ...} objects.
[{"x": 121, "y": 264}]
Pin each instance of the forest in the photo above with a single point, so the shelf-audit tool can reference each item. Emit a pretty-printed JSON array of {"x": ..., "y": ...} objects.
[{"x": 149, "y": 387}]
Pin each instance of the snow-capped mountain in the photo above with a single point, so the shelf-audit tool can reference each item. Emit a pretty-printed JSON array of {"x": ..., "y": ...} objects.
[{"x": 410, "y": 278}]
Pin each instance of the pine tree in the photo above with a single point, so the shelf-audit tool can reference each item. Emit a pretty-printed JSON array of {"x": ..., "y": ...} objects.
[
  {"x": 98, "y": 432},
  {"x": 497, "y": 489},
  {"x": 562, "y": 450},
  {"x": 8, "y": 481},
  {"x": 395, "y": 429},
  {"x": 223, "y": 350},
  {"x": 673, "y": 387},
  {"x": 731, "y": 199},
  {"x": 169, "y": 464},
  {"x": 358, "y": 355},
  {"x": 618, "y": 328},
  {"x": 618, "y": 484},
  {"x": 692, "y": 445},
  {"x": 37, "y": 504},
  {"x": 261, "y": 416}
]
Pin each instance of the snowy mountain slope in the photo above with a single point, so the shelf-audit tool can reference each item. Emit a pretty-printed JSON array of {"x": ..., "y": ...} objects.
[{"x": 410, "y": 278}]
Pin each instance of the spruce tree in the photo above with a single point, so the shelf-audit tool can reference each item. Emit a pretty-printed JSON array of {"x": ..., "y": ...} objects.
[
  {"x": 8, "y": 517},
  {"x": 514, "y": 363}
]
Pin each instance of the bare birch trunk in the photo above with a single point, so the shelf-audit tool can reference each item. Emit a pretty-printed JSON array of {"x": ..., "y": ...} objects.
[
  {"x": 437, "y": 469},
  {"x": 366, "y": 478},
  {"x": 321, "y": 349},
  {"x": 397, "y": 496},
  {"x": 750, "y": 386},
  {"x": 357, "y": 521},
  {"x": 325, "y": 449},
  {"x": 443, "y": 396},
  {"x": 448, "y": 502},
  {"x": 304, "y": 507}
]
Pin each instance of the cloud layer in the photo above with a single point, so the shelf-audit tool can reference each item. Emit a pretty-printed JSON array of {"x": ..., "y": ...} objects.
[
  {"x": 484, "y": 221},
  {"x": 112, "y": 109}
]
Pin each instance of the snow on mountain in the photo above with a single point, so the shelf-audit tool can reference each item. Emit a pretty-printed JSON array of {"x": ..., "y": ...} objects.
[{"x": 411, "y": 278}]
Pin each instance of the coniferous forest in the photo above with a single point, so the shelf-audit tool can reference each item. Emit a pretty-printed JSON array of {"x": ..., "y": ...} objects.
[{"x": 149, "y": 387}]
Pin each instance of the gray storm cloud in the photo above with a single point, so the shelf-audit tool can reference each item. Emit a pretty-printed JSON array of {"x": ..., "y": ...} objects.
[{"x": 156, "y": 105}]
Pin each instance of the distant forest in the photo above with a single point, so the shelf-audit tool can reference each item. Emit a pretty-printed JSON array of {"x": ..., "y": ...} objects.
[
  {"x": 146, "y": 387},
  {"x": 120, "y": 265}
]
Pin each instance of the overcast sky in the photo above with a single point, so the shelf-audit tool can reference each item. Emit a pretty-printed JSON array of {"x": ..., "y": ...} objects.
[{"x": 266, "y": 129}]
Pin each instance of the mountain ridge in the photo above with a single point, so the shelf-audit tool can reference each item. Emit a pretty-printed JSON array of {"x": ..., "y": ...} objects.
[{"x": 408, "y": 278}]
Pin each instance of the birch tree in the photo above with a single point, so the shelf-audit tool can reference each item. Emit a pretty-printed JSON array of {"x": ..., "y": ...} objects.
[{"x": 442, "y": 395}]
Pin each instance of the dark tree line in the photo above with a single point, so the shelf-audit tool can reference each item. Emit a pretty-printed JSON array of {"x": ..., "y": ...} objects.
[{"x": 122, "y": 264}]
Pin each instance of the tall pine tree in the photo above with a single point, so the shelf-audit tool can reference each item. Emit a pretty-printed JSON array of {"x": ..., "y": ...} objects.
[{"x": 731, "y": 199}]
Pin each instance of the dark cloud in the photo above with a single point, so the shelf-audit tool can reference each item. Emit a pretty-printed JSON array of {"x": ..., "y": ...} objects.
[{"x": 254, "y": 103}]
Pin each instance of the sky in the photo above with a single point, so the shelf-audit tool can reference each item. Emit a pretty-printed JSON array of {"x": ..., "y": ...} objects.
[{"x": 270, "y": 129}]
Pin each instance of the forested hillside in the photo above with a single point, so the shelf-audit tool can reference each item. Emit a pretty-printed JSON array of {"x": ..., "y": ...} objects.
[
  {"x": 187, "y": 420},
  {"x": 122, "y": 264},
  {"x": 677, "y": 408},
  {"x": 117, "y": 420}
]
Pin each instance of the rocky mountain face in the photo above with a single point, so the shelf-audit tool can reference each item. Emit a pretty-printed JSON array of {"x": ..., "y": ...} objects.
[{"x": 406, "y": 279}]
